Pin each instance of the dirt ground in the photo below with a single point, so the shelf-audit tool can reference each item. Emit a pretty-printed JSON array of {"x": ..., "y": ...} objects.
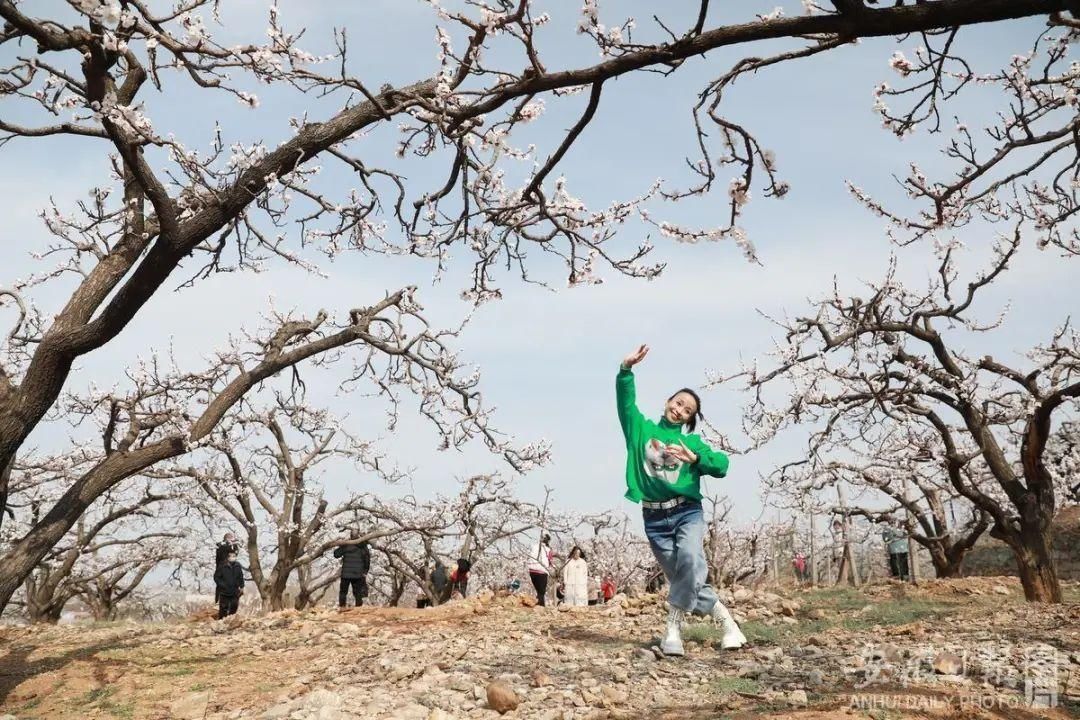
[{"x": 877, "y": 652}]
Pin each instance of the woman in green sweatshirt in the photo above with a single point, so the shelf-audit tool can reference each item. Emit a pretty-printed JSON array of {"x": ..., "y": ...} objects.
[{"x": 664, "y": 466}]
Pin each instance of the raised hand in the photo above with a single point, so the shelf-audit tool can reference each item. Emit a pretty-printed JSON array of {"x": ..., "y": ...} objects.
[
  {"x": 681, "y": 453},
  {"x": 635, "y": 357}
]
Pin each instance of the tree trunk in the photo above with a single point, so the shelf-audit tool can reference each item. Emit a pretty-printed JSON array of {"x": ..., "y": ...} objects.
[
  {"x": 277, "y": 594},
  {"x": 303, "y": 597},
  {"x": 272, "y": 593},
  {"x": 43, "y": 603},
  {"x": 948, "y": 559},
  {"x": 25, "y": 554},
  {"x": 398, "y": 591},
  {"x": 45, "y": 612},
  {"x": 1038, "y": 572},
  {"x": 947, "y": 569},
  {"x": 103, "y": 609}
]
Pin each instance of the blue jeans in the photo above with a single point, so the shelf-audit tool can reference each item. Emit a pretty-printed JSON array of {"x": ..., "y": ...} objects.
[{"x": 676, "y": 536}]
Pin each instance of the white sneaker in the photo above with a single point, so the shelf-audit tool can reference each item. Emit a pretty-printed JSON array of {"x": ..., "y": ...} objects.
[
  {"x": 732, "y": 638},
  {"x": 672, "y": 643}
]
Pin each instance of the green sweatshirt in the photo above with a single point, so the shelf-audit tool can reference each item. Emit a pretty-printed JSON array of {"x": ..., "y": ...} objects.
[{"x": 652, "y": 474}]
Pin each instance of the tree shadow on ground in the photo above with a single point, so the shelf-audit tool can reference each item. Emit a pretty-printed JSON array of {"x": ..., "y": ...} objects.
[
  {"x": 586, "y": 635},
  {"x": 16, "y": 666}
]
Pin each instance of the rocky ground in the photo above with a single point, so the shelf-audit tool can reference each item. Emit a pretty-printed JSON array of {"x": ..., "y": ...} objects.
[{"x": 948, "y": 649}]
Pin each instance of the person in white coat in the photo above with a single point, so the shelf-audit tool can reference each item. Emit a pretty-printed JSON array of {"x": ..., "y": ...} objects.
[{"x": 575, "y": 576}]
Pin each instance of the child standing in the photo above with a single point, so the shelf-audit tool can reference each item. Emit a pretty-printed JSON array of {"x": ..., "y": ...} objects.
[{"x": 663, "y": 472}]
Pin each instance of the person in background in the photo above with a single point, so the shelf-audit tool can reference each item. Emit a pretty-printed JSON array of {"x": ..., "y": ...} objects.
[
  {"x": 594, "y": 590},
  {"x": 355, "y": 563},
  {"x": 896, "y": 544},
  {"x": 575, "y": 578},
  {"x": 221, "y": 553},
  {"x": 798, "y": 564},
  {"x": 607, "y": 588},
  {"x": 655, "y": 581},
  {"x": 229, "y": 584},
  {"x": 539, "y": 567},
  {"x": 422, "y": 599},
  {"x": 459, "y": 578},
  {"x": 440, "y": 581}
]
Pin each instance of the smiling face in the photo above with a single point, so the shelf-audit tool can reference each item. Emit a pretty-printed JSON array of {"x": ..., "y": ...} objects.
[{"x": 680, "y": 408}]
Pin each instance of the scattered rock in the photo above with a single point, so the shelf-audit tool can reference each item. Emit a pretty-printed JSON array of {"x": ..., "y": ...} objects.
[
  {"x": 856, "y": 661},
  {"x": 750, "y": 670},
  {"x": 412, "y": 711},
  {"x": 427, "y": 665},
  {"x": 888, "y": 653},
  {"x": 797, "y": 698},
  {"x": 541, "y": 679},
  {"x": 501, "y": 697},
  {"x": 742, "y": 594},
  {"x": 771, "y": 654},
  {"x": 190, "y": 707},
  {"x": 948, "y": 663},
  {"x": 1001, "y": 590},
  {"x": 644, "y": 654},
  {"x": 527, "y": 600},
  {"x": 613, "y": 695}
]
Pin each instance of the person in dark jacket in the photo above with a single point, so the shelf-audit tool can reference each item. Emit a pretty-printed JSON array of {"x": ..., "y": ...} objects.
[
  {"x": 221, "y": 553},
  {"x": 355, "y": 562},
  {"x": 440, "y": 581},
  {"x": 229, "y": 582}
]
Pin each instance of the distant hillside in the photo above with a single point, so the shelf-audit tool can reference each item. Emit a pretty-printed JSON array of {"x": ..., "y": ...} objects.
[{"x": 992, "y": 557}]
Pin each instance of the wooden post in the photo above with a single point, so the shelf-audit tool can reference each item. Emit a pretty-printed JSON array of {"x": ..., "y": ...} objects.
[
  {"x": 813, "y": 552},
  {"x": 845, "y": 527},
  {"x": 772, "y": 556},
  {"x": 912, "y": 546},
  {"x": 829, "y": 566}
]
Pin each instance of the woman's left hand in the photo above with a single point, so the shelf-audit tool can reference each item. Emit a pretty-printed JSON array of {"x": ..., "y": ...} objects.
[{"x": 682, "y": 453}]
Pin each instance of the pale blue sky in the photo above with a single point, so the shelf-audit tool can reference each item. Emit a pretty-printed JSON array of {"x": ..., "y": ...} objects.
[{"x": 548, "y": 359}]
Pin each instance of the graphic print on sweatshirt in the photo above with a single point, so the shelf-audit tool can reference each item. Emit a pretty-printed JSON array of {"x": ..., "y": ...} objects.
[{"x": 659, "y": 463}]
